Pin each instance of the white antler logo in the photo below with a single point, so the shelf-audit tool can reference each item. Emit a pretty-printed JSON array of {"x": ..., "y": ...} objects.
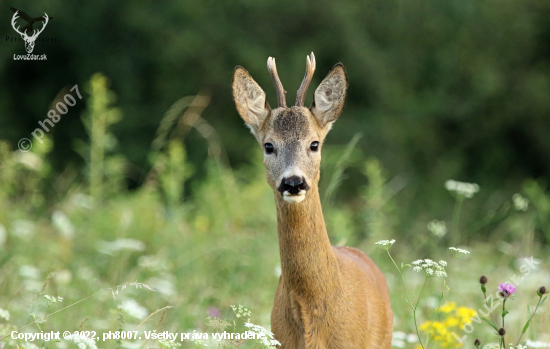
[{"x": 29, "y": 40}]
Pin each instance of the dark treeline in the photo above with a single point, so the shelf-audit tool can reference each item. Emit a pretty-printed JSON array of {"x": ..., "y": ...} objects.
[{"x": 440, "y": 89}]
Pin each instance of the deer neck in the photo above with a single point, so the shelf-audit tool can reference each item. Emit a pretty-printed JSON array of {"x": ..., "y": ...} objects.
[{"x": 308, "y": 263}]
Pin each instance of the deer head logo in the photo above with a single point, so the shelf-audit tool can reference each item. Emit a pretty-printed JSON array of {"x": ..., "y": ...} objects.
[{"x": 29, "y": 40}]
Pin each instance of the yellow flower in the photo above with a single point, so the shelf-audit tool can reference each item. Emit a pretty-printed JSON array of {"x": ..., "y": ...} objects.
[
  {"x": 426, "y": 325},
  {"x": 454, "y": 318},
  {"x": 465, "y": 314},
  {"x": 448, "y": 307},
  {"x": 452, "y": 321}
]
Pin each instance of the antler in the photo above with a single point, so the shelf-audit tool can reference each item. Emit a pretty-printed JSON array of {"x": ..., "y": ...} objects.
[
  {"x": 310, "y": 69},
  {"x": 281, "y": 98},
  {"x": 13, "y": 19},
  {"x": 34, "y": 35}
]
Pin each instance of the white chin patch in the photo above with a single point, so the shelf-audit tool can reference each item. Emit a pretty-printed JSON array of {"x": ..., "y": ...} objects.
[{"x": 296, "y": 198}]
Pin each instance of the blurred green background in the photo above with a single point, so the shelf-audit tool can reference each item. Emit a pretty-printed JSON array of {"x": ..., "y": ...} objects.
[{"x": 438, "y": 90}]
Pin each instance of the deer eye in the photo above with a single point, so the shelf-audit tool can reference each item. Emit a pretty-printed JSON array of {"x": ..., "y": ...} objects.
[
  {"x": 269, "y": 148},
  {"x": 314, "y": 146}
]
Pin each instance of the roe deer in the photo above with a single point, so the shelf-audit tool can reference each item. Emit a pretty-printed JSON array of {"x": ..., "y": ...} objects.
[{"x": 328, "y": 297}]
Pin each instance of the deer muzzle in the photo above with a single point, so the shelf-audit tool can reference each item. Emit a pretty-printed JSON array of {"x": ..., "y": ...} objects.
[{"x": 293, "y": 189}]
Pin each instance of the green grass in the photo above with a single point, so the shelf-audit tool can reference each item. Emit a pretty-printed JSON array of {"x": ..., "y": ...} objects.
[{"x": 73, "y": 237}]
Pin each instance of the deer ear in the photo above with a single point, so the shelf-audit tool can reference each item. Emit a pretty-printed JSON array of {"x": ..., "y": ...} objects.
[
  {"x": 330, "y": 96},
  {"x": 250, "y": 100}
]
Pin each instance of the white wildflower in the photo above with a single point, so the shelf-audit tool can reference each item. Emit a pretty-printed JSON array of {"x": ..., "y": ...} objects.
[
  {"x": 241, "y": 311},
  {"x": 458, "y": 252},
  {"x": 110, "y": 248},
  {"x": 23, "y": 229},
  {"x": 520, "y": 203},
  {"x": 430, "y": 268},
  {"x": 537, "y": 344},
  {"x": 412, "y": 338},
  {"x": 83, "y": 342},
  {"x": 265, "y": 335},
  {"x": 440, "y": 273},
  {"x": 398, "y": 343},
  {"x": 399, "y": 339},
  {"x": 154, "y": 263},
  {"x": 133, "y": 308},
  {"x": 438, "y": 228},
  {"x": 50, "y": 299},
  {"x": 385, "y": 244},
  {"x": 63, "y": 277},
  {"x": 277, "y": 270},
  {"x": 29, "y": 272},
  {"x": 492, "y": 346},
  {"x": 465, "y": 189},
  {"x": 164, "y": 285},
  {"x": 399, "y": 335},
  {"x": 4, "y": 314},
  {"x": 63, "y": 224}
]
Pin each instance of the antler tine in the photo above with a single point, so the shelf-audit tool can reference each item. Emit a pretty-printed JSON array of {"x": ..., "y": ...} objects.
[
  {"x": 47, "y": 18},
  {"x": 13, "y": 19},
  {"x": 310, "y": 69},
  {"x": 281, "y": 97}
]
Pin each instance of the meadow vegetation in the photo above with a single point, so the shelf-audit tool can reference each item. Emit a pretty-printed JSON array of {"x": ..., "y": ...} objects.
[{"x": 171, "y": 253}]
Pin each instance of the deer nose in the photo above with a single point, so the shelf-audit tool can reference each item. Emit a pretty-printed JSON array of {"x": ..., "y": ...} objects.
[{"x": 293, "y": 185}]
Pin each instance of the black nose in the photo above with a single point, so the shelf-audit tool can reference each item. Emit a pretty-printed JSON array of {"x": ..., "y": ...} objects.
[{"x": 293, "y": 185}]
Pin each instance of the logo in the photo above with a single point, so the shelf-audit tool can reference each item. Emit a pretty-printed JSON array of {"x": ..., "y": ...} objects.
[{"x": 30, "y": 39}]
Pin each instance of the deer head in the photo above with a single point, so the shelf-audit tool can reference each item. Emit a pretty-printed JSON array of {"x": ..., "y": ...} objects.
[
  {"x": 29, "y": 40},
  {"x": 291, "y": 137}
]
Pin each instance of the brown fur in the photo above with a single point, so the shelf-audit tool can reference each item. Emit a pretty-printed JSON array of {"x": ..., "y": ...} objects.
[{"x": 328, "y": 297}]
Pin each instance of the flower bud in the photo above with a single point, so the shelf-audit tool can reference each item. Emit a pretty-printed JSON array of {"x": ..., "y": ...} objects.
[
  {"x": 502, "y": 331},
  {"x": 483, "y": 279},
  {"x": 542, "y": 290},
  {"x": 477, "y": 342}
]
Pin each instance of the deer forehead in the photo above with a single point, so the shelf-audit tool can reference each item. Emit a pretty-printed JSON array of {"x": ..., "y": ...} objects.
[{"x": 292, "y": 124}]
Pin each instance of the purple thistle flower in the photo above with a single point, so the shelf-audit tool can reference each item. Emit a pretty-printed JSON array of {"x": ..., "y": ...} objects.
[{"x": 506, "y": 289}]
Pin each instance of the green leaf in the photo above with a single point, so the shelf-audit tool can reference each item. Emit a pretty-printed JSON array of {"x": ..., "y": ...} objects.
[
  {"x": 407, "y": 265},
  {"x": 447, "y": 287},
  {"x": 505, "y": 312},
  {"x": 543, "y": 300},
  {"x": 540, "y": 294},
  {"x": 490, "y": 324},
  {"x": 483, "y": 288},
  {"x": 526, "y": 326}
]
